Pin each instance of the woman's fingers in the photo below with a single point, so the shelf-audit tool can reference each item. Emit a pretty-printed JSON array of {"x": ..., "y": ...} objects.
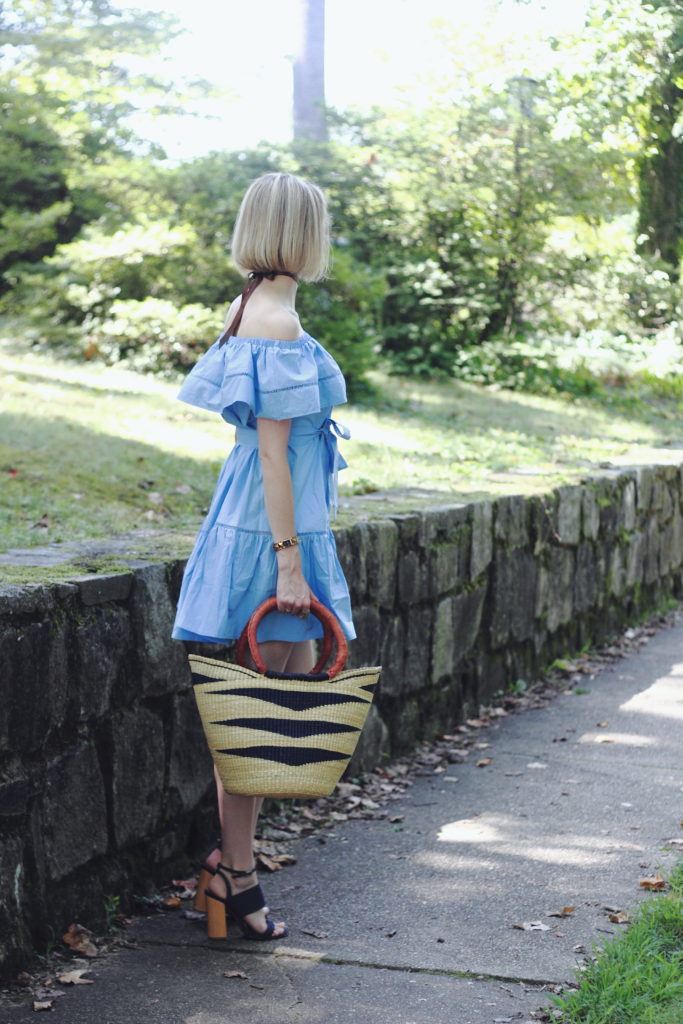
[{"x": 293, "y": 592}]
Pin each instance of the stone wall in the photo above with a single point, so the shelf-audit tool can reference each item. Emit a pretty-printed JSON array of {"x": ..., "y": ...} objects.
[{"x": 105, "y": 782}]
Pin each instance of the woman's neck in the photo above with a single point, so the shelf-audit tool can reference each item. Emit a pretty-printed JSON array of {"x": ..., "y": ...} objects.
[{"x": 281, "y": 289}]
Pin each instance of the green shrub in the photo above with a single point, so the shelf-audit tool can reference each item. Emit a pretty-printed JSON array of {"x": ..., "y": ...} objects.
[
  {"x": 343, "y": 313},
  {"x": 152, "y": 335},
  {"x": 583, "y": 365}
]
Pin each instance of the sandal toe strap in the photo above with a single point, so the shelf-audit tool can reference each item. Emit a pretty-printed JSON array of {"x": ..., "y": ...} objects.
[{"x": 249, "y": 901}]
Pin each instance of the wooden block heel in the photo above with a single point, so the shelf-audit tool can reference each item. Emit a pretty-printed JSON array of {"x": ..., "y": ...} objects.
[
  {"x": 205, "y": 877},
  {"x": 216, "y": 919}
]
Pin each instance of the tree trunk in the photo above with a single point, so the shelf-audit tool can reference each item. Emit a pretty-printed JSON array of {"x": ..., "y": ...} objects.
[
  {"x": 660, "y": 177},
  {"x": 309, "y": 74}
]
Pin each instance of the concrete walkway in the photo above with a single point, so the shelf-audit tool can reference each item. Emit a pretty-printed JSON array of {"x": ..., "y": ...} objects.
[{"x": 574, "y": 809}]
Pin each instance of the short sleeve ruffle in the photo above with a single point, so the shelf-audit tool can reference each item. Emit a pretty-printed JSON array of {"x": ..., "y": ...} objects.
[{"x": 250, "y": 377}]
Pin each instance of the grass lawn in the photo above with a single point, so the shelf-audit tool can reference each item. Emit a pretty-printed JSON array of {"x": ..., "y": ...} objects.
[
  {"x": 637, "y": 977},
  {"x": 88, "y": 451}
]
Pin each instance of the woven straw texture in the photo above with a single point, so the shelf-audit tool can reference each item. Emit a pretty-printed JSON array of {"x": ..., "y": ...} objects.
[{"x": 275, "y": 737}]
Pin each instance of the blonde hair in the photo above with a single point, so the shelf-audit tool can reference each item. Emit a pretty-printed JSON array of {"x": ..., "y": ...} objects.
[{"x": 283, "y": 224}]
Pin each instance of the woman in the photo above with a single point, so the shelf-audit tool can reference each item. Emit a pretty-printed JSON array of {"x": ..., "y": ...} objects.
[{"x": 267, "y": 530}]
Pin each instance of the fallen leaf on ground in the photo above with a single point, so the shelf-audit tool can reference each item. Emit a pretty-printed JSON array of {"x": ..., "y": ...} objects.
[
  {"x": 565, "y": 912},
  {"x": 284, "y": 858},
  {"x": 477, "y": 723},
  {"x": 192, "y": 915},
  {"x": 42, "y": 1004},
  {"x": 656, "y": 881},
  {"x": 170, "y": 902},
  {"x": 394, "y": 820},
  {"x": 234, "y": 974},
  {"x": 74, "y": 978},
  {"x": 314, "y": 933},
  {"x": 537, "y": 764},
  {"x": 532, "y": 926},
  {"x": 80, "y": 940},
  {"x": 346, "y": 789},
  {"x": 269, "y": 863},
  {"x": 482, "y": 762},
  {"x": 390, "y": 935},
  {"x": 620, "y": 917}
]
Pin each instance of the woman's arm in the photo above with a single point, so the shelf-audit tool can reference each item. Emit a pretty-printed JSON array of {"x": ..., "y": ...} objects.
[{"x": 293, "y": 592}]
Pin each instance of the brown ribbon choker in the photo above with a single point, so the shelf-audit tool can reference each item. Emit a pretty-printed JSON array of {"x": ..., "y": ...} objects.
[{"x": 255, "y": 278}]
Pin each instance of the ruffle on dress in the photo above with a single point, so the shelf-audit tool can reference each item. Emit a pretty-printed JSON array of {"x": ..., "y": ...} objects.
[
  {"x": 231, "y": 570},
  {"x": 250, "y": 377}
]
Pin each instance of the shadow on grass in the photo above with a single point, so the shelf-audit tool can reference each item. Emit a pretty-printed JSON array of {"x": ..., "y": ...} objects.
[
  {"x": 82, "y": 483},
  {"x": 36, "y": 376},
  {"x": 451, "y": 403}
]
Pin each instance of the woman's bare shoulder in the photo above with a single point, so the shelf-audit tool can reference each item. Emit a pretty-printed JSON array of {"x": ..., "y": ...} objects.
[{"x": 270, "y": 322}]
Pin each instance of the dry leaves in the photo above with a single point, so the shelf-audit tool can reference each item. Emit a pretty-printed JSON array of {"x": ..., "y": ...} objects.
[
  {"x": 619, "y": 917},
  {"x": 655, "y": 882},
  {"x": 315, "y": 934},
  {"x": 565, "y": 912},
  {"x": 234, "y": 974},
  {"x": 80, "y": 940},
  {"x": 269, "y": 859},
  {"x": 483, "y": 761},
  {"x": 74, "y": 978},
  {"x": 532, "y": 926}
]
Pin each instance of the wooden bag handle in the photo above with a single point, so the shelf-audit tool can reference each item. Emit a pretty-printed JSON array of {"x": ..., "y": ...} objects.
[{"x": 332, "y": 632}]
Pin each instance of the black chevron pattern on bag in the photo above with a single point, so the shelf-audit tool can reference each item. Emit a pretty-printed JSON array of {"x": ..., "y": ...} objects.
[
  {"x": 295, "y": 756},
  {"x": 284, "y": 727},
  {"x": 280, "y": 736},
  {"x": 292, "y": 699}
]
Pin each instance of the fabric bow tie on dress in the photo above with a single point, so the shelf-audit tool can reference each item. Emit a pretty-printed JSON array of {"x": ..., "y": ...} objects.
[
  {"x": 330, "y": 431},
  {"x": 327, "y": 432}
]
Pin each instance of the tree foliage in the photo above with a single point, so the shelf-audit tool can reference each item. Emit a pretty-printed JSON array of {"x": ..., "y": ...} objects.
[{"x": 521, "y": 196}]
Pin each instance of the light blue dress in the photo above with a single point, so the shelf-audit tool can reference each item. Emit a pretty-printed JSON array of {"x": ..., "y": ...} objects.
[{"x": 232, "y": 567}]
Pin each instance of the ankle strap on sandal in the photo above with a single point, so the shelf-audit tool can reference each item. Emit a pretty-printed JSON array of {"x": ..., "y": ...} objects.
[{"x": 237, "y": 874}]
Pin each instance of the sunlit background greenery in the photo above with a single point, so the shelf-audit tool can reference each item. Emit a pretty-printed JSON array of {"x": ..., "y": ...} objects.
[{"x": 513, "y": 223}]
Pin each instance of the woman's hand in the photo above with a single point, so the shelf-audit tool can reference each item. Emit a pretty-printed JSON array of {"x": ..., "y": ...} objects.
[{"x": 293, "y": 592}]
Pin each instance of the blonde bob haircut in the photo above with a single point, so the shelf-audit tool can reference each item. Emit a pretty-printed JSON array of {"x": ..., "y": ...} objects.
[{"x": 283, "y": 224}]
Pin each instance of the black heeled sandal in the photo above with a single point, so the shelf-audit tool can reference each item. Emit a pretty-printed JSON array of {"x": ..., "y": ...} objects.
[
  {"x": 206, "y": 873},
  {"x": 239, "y": 905}
]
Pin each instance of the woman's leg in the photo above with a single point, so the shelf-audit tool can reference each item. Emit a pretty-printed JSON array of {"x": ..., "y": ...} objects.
[
  {"x": 301, "y": 657},
  {"x": 239, "y": 814}
]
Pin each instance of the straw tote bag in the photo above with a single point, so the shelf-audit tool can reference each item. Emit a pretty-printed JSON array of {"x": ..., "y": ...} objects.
[{"x": 272, "y": 734}]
